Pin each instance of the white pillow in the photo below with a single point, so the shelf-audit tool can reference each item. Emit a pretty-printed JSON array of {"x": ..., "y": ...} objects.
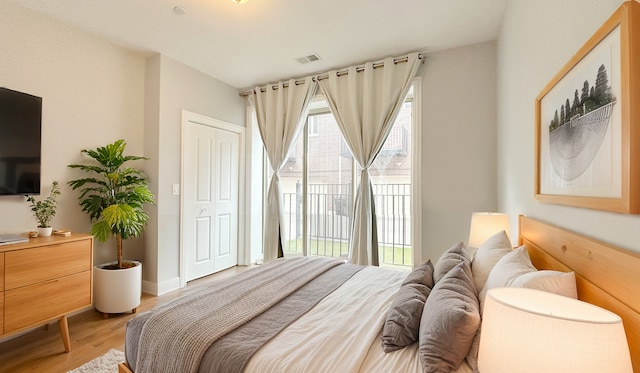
[
  {"x": 562, "y": 283},
  {"x": 488, "y": 254},
  {"x": 507, "y": 270},
  {"x": 516, "y": 270}
]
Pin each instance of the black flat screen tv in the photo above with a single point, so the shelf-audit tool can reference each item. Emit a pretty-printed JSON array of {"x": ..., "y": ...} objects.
[{"x": 20, "y": 142}]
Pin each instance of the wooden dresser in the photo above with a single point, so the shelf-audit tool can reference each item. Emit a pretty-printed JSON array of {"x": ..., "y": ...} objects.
[{"x": 45, "y": 280}]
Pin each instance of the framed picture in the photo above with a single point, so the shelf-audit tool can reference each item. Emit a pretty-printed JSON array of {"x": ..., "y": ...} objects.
[{"x": 587, "y": 135}]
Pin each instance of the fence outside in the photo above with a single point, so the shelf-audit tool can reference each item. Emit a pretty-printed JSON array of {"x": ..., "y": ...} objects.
[{"x": 329, "y": 219}]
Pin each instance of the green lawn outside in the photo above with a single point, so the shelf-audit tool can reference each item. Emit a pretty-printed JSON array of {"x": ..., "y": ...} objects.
[{"x": 391, "y": 257}]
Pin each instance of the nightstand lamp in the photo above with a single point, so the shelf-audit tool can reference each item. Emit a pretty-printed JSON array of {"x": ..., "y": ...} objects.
[
  {"x": 485, "y": 225},
  {"x": 532, "y": 331}
]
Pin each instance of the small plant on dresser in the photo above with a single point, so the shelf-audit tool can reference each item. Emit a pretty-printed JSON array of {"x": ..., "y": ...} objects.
[{"x": 45, "y": 210}]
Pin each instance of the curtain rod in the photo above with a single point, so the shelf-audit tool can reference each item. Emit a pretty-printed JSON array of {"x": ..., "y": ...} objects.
[{"x": 340, "y": 72}]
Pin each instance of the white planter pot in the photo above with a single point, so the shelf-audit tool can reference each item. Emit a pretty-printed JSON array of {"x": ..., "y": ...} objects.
[
  {"x": 44, "y": 232},
  {"x": 117, "y": 290}
]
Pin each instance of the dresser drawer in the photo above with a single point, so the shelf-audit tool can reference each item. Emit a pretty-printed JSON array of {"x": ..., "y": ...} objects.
[
  {"x": 44, "y": 301},
  {"x": 1, "y": 273},
  {"x": 30, "y": 266},
  {"x": 1, "y": 313},
  {"x": 1, "y": 293}
]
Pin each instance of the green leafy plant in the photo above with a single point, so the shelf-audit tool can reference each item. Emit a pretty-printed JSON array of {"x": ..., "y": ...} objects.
[
  {"x": 115, "y": 194},
  {"x": 45, "y": 210}
]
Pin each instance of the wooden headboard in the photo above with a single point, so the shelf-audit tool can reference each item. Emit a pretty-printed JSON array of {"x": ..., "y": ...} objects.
[{"x": 606, "y": 276}]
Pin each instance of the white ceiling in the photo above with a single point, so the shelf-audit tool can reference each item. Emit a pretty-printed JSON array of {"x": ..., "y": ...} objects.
[{"x": 260, "y": 42}]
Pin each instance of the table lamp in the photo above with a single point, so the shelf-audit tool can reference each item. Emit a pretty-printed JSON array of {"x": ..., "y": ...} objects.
[
  {"x": 485, "y": 225},
  {"x": 532, "y": 331}
]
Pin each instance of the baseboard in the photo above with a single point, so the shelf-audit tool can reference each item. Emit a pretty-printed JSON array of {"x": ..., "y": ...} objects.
[{"x": 158, "y": 289}]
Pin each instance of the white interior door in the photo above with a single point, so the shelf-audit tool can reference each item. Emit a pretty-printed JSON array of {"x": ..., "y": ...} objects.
[
  {"x": 226, "y": 200},
  {"x": 210, "y": 199}
]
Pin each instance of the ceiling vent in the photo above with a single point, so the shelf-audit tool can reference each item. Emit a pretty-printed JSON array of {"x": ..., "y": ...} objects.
[{"x": 310, "y": 58}]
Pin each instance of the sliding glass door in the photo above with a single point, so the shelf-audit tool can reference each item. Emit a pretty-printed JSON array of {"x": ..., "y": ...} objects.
[{"x": 318, "y": 188}]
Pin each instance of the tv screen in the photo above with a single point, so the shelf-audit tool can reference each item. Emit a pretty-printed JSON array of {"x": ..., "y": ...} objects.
[{"x": 20, "y": 136}]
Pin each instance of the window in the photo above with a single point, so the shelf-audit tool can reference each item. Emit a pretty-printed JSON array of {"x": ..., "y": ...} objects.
[
  {"x": 329, "y": 189},
  {"x": 317, "y": 183},
  {"x": 312, "y": 124},
  {"x": 391, "y": 173},
  {"x": 317, "y": 189}
]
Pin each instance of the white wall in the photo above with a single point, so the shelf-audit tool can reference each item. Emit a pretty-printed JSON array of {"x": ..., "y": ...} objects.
[
  {"x": 92, "y": 94},
  {"x": 180, "y": 87},
  {"x": 458, "y": 143},
  {"x": 536, "y": 40},
  {"x": 95, "y": 93},
  {"x": 152, "y": 149}
]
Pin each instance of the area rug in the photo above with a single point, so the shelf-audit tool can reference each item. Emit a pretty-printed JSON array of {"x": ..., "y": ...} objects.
[{"x": 107, "y": 363}]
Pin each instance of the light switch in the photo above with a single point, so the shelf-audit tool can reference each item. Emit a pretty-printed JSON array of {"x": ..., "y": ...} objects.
[{"x": 175, "y": 189}]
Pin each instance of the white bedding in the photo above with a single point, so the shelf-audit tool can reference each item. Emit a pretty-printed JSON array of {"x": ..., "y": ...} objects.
[{"x": 342, "y": 332}]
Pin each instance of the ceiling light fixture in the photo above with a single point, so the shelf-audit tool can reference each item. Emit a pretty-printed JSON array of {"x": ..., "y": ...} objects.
[{"x": 240, "y": 1}]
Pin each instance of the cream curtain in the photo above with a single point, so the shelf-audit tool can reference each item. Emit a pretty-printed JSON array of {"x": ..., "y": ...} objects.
[
  {"x": 365, "y": 105},
  {"x": 280, "y": 112}
]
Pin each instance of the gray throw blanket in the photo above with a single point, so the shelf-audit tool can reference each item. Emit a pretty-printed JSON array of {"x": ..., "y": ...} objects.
[
  {"x": 176, "y": 336},
  {"x": 231, "y": 353}
]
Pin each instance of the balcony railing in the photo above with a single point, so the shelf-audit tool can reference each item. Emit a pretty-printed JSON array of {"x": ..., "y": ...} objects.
[{"x": 329, "y": 220}]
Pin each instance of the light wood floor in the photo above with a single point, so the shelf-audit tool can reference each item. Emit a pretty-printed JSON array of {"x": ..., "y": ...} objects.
[{"x": 41, "y": 350}]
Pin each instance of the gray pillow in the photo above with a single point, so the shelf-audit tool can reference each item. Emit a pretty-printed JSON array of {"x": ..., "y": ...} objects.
[
  {"x": 403, "y": 318},
  {"x": 422, "y": 274},
  {"x": 456, "y": 254},
  {"x": 449, "y": 321}
]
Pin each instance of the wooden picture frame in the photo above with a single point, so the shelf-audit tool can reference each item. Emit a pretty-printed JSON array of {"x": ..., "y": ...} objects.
[{"x": 589, "y": 154}]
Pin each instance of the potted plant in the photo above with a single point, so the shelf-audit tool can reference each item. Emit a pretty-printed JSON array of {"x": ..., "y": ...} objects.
[
  {"x": 114, "y": 196},
  {"x": 45, "y": 210}
]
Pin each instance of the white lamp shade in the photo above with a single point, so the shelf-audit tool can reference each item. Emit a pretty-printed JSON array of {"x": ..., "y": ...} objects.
[
  {"x": 485, "y": 225},
  {"x": 532, "y": 331}
]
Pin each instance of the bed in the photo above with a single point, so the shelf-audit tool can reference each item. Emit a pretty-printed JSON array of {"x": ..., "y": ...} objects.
[{"x": 312, "y": 314}]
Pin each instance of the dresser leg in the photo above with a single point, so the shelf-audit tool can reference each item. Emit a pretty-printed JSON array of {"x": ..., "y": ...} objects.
[{"x": 64, "y": 332}]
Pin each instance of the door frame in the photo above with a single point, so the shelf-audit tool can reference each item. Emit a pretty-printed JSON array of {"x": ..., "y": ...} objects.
[{"x": 199, "y": 119}]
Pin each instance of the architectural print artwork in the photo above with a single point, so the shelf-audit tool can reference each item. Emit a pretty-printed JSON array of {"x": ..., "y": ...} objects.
[
  {"x": 576, "y": 134},
  {"x": 581, "y": 129},
  {"x": 587, "y": 136}
]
